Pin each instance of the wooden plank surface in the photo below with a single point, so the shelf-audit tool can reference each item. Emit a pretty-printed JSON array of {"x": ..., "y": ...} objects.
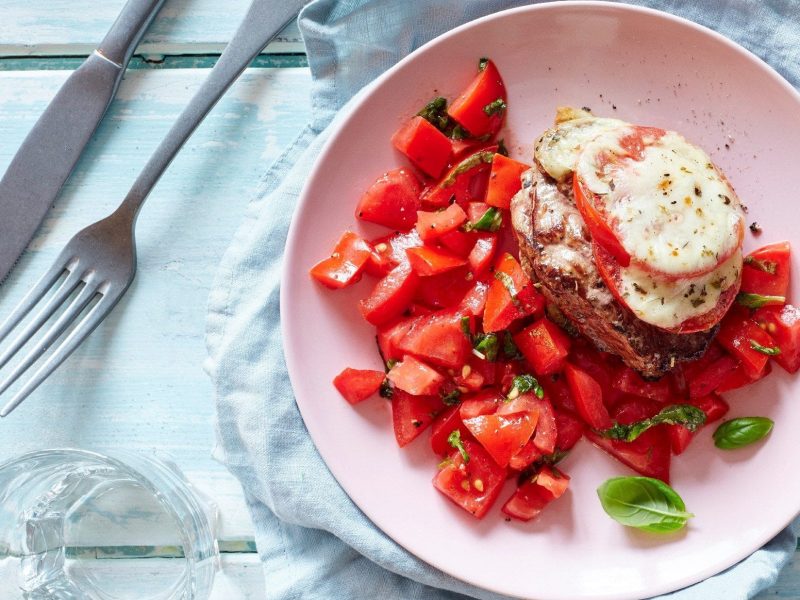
[
  {"x": 74, "y": 27},
  {"x": 138, "y": 382}
]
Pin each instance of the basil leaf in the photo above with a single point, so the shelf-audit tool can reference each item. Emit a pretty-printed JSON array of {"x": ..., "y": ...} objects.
[
  {"x": 435, "y": 112},
  {"x": 488, "y": 346},
  {"x": 768, "y": 350},
  {"x": 644, "y": 503},
  {"x": 495, "y": 107},
  {"x": 510, "y": 350},
  {"x": 466, "y": 323},
  {"x": 508, "y": 283},
  {"x": 454, "y": 439},
  {"x": 741, "y": 432},
  {"x": 482, "y": 63},
  {"x": 687, "y": 415},
  {"x": 386, "y": 390},
  {"x": 484, "y": 156},
  {"x": 524, "y": 383},
  {"x": 767, "y": 266},
  {"x": 491, "y": 221},
  {"x": 757, "y": 300}
]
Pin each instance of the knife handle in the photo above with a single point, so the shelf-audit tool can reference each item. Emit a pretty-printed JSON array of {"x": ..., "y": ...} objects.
[{"x": 124, "y": 35}]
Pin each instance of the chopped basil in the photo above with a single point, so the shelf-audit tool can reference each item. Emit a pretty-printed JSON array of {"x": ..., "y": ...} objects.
[
  {"x": 490, "y": 221},
  {"x": 495, "y": 107},
  {"x": 768, "y": 350},
  {"x": 644, "y": 503},
  {"x": 687, "y": 415},
  {"x": 741, "y": 432},
  {"x": 484, "y": 156},
  {"x": 509, "y": 284},
  {"x": 454, "y": 439},
  {"x": 466, "y": 323},
  {"x": 452, "y": 398},
  {"x": 482, "y": 63},
  {"x": 459, "y": 133},
  {"x": 488, "y": 345},
  {"x": 757, "y": 300},
  {"x": 524, "y": 383},
  {"x": 435, "y": 112},
  {"x": 767, "y": 266},
  {"x": 510, "y": 349},
  {"x": 386, "y": 391}
]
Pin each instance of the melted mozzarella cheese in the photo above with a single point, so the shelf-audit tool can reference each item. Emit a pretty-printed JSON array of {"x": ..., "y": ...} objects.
[
  {"x": 558, "y": 148},
  {"x": 668, "y": 303},
  {"x": 669, "y": 206}
]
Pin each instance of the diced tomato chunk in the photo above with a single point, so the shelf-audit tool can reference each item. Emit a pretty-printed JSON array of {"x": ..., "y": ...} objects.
[
  {"x": 630, "y": 382},
  {"x": 356, "y": 385},
  {"x": 504, "y": 180},
  {"x": 464, "y": 182},
  {"x": 556, "y": 388},
  {"x": 473, "y": 485},
  {"x": 391, "y": 295},
  {"x": 431, "y": 225},
  {"x": 714, "y": 407},
  {"x": 392, "y": 248},
  {"x": 534, "y": 495},
  {"x": 544, "y": 345},
  {"x": 389, "y": 337},
  {"x": 679, "y": 438},
  {"x": 525, "y": 456},
  {"x": 474, "y": 301},
  {"x": 588, "y": 397},
  {"x": 511, "y": 296},
  {"x": 635, "y": 409},
  {"x": 569, "y": 430},
  {"x": 444, "y": 290},
  {"x": 458, "y": 242},
  {"x": 648, "y": 455},
  {"x": 425, "y": 146},
  {"x": 782, "y": 323},
  {"x": 766, "y": 270},
  {"x": 443, "y": 426},
  {"x": 482, "y": 253},
  {"x": 426, "y": 261},
  {"x": 710, "y": 379},
  {"x": 737, "y": 334},
  {"x": 415, "y": 377},
  {"x": 343, "y": 267},
  {"x": 468, "y": 108},
  {"x": 546, "y": 433},
  {"x": 483, "y": 403},
  {"x": 502, "y": 435},
  {"x": 411, "y": 415},
  {"x": 437, "y": 338},
  {"x": 393, "y": 200}
]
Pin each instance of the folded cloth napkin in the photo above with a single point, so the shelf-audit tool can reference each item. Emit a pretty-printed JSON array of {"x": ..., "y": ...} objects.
[{"x": 314, "y": 542}]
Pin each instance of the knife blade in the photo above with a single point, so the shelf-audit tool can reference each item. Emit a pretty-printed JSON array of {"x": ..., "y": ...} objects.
[{"x": 53, "y": 146}]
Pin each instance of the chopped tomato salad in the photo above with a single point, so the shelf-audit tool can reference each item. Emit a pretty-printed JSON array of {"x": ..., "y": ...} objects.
[{"x": 474, "y": 353}]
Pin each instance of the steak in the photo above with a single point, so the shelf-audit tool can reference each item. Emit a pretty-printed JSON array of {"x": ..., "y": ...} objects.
[{"x": 555, "y": 250}]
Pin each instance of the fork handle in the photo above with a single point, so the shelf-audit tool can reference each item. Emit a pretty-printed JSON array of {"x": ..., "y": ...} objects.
[{"x": 264, "y": 20}]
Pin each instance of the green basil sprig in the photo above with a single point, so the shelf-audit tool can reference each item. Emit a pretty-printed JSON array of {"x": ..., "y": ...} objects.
[
  {"x": 490, "y": 221},
  {"x": 768, "y": 350},
  {"x": 759, "y": 300},
  {"x": 687, "y": 415},
  {"x": 524, "y": 383},
  {"x": 454, "y": 439},
  {"x": 644, "y": 503},
  {"x": 741, "y": 432}
]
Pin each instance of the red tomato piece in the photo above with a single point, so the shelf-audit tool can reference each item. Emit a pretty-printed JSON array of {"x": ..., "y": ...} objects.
[
  {"x": 588, "y": 397},
  {"x": 389, "y": 337},
  {"x": 534, "y": 495},
  {"x": 391, "y": 295},
  {"x": 766, "y": 270},
  {"x": 431, "y": 225},
  {"x": 483, "y": 403},
  {"x": 502, "y": 435},
  {"x": 343, "y": 267},
  {"x": 464, "y": 182},
  {"x": 411, "y": 415},
  {"x": 443, "y": 426},
  {"x": 546, "y": 431},
  {"x": 482, "y": 253},
  {"x": 782, "y": 323},
  {"x": 693, "y": 369},
  {"x": 445, "y": 290},
  {"x": 415, "y": 377},
  {"x": 648, "y": 455},
  {"x": 438, "y": 339},
  {"x": 630, "y": 382},
  {"x": 679, "y": 438},
  {"x": 393, "y": 247},
  {"x": 468, "y": 108},
  {"x": 714, "y": 407},
  {"x": 426, "y": 261},
  {"x": 425, "y": 146},
  {"x": 474, "y": 301},
  {"x": 556, "y": 389},
  {"x": 504, "y": 181},
  {"x": 526, "y": 456},
  {"x": 710, "y": 379},
  {"x": 602, "y": 234},
  {"x": 356, "y": 385},
  {"x": 569, "y": 430},
  {"x": 458, "y": 242},
  {"x": 544, "y": 345},
  {"x": 393, "y": 200},
  {"x": 473, "y": 485},
  {"x": 736, "y": 334}
]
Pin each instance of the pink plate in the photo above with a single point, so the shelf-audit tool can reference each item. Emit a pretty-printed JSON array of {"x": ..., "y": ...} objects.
[{"x": 642, "y": 66}]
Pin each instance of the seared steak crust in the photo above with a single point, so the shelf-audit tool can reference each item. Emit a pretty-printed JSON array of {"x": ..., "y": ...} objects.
[{"x": 555, "y": 249}]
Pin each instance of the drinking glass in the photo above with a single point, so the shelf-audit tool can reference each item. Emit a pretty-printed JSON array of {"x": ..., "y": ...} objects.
[{"x": 122, "y": 526}]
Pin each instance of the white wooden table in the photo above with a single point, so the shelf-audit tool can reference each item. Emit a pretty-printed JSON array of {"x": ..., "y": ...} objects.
[{"x": 138, "y": 382}]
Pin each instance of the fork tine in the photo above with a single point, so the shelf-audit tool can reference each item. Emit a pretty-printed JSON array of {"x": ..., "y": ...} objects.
[
  {"x": 89, "y": 322},
  {"x": 35, "y": 294},
  {"x": 62, "y": 293},
  {"x": 68, "y": 316}
]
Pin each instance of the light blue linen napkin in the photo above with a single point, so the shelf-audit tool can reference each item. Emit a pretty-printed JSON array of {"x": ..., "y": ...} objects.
[{"x": 314, "y": 542}]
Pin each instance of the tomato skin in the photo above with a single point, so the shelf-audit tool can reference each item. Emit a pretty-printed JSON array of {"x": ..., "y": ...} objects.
[
  {"x": 569, "y": 430},
  {"x": 482, "y": 403},
  {"x": 443, "y": 426},
  {"x": 467, "y": 108},
  {"x": 391, "y": 295},
  {"x": 757, "y": 281},
  {"x": 602, "y": 234},
  {"x": 389, "y": 336},
  {"x": 411, "y": 415},
  {"x": 534, "y": 495},
  {"x": 715, "y": 408},
  {"x": 735, "y": 333},
  {"x": 782, "y": 323},
  {"x": 588, "y": 397},
  {"x": 425, "y": 146},
  {"x": 544, "y": 345},
  {"x": 546, "y": 432},
  {"x": 392, "y": 201},
  {"x": 356, "y": 385},
  {"x": 457, "y": 479},
  {"x": 557, "y": 390},
  {"x": 391, "y": 250},
  {"x": 426, "y": 261},
  {"x": 648, "y": 455},
  {"x": 504, "y": 181},
  {"x": 482, "y": 253},
  {"x": 458, "y": 242},
  {"x": 444, "y": 290},
  {"x": 432, "y": 225},
  {"x": 474, "y": 301},
  {"x": 679, "y": 438},
  {"x": 501, "y": 309},
  {"x": 525, "y": 456},
  {"x": 461, "y": 187},
  {"x": 415, "y": 377},
  {"x": 344, "y": 266},
  {"x": 502, "y": 435},
  {"x": 710, "y": 378},
  {"x": 437, "y": 338},
  {"x": 630, "y": 382}
]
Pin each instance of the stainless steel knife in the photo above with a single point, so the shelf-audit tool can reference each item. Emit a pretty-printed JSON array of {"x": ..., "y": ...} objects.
[{"x": 51, "y": 149}]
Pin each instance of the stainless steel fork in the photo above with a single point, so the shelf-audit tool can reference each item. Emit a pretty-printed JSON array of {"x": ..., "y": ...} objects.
[{"x": 96, "y": 267}]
